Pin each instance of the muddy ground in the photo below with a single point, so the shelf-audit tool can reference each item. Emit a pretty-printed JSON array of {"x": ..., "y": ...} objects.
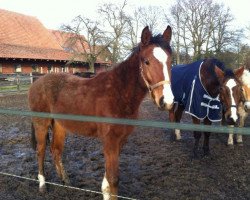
[{"x": 151, "y": 166}]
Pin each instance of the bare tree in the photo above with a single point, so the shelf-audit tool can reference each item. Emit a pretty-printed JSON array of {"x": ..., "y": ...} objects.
[
  {"x": 133, "y": 27},
  {"x": 151, "y": 16},
  {"x": 140, "y": 17},
  {"x": 115, "y": 19},
  {"x": 87, "y": 40},
  {"x": 205, "y": 29},
  {"x": 177, "y": 19}
]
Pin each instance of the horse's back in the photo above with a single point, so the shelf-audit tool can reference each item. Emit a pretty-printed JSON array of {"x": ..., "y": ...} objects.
[{"x": 45, "y": 91}]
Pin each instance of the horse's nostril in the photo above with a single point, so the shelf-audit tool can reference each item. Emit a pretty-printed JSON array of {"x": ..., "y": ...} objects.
[
  {"x": 247, "y": 107},
  {"x": 231, "y": 121},
  {"x": 161, "y": 102}
]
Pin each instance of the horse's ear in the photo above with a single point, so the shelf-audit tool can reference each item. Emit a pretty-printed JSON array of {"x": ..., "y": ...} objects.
[
  {"x": 219, "y": 73},
  {"x": 146, "y": 36},
  {"x": 238, "y": 72},
  {"x": 167, "y": 35}
]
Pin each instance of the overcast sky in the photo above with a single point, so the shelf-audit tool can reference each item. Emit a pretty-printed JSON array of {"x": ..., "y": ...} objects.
[{"x": 53, "y": 13}]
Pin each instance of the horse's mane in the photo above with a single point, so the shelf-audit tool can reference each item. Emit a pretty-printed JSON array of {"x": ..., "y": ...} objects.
[
  {"x": 219, "y": 64},
  {"x": 246, "y": 77},
  {"x": 215, "y": 62}
]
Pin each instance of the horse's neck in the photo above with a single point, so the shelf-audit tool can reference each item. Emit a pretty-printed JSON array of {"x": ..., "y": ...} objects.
[
  {"x": 130, "y": 82},
  {"x": 210, "y": 81}
]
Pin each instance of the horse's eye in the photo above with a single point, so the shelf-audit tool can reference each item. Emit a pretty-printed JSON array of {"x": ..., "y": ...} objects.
[{"x": 146, "y": 61}]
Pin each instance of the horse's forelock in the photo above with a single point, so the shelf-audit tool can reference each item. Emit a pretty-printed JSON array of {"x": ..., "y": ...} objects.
[
  {"x": 219, "y": 64},
  {"x": 229, "y": 73},
  {"x": 160, "y": 41}
]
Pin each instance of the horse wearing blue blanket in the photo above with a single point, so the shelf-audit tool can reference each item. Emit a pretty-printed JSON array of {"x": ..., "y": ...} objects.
[{"x": 197, "y": 91}]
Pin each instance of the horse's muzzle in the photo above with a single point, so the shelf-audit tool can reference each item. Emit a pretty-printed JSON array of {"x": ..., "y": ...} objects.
[
  {"x": 247, "y": 105},
  {"x": 165, "y": 106},
  {"x": 231, "y": 121}
]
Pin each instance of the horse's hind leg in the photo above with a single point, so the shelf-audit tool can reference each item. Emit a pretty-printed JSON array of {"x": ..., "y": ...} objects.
[
  {"x": 57, "y": 145},
  {"x": 41, "y": 131},
  {"x": 206, "y": 149},
  {"x": 197, "y": 136}
]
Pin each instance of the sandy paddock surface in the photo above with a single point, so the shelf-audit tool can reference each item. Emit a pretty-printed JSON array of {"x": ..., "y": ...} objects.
[{"x": 151, "y": 166}]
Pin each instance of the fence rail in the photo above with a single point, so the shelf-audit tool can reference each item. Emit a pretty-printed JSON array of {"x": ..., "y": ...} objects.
[
  {"x": 133, "y": 122},
  {"x": 15, "y": 82}
]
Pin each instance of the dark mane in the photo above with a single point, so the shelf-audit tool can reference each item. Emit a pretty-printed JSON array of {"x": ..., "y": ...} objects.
[
  {"x": 229, "y": 73},
  {"x": 219, "y": 64},
  {"x": 211, "y": 63}
]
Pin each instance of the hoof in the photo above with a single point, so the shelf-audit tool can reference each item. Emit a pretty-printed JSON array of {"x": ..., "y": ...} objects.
[
  {"x": 195, "y": 155},
  {"x": 66, "y": 182},
  {"x": 230, "y": 146},
  {"x": 240, "y": 144},
  {"x": 173, "y": 138},
  {"x": 206, "y": 154},
  {"x": 42, "y": 189}
]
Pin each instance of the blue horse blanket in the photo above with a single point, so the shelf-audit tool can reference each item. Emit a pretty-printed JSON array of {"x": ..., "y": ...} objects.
[{"x": 189, "y": 92}]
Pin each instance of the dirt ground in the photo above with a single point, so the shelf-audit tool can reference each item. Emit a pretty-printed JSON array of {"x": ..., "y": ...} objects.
[{"x": 151, "y": 166}]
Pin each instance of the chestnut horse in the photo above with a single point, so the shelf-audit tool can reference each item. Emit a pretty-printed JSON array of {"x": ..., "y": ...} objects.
[
  {"x": 242, "y": 99},
  {"x": 197, "y": 92},
  {"x": 116, "y": 93}
]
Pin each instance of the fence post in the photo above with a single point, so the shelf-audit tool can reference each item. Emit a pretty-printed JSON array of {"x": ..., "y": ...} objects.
[
  {"x": 31, "y": 78},
  {"x": 18, "y": 82}
]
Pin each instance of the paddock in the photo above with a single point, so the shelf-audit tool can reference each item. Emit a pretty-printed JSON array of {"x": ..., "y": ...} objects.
[{"x": 151, "y": 166}]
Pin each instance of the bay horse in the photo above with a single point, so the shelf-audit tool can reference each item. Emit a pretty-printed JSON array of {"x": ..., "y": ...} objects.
[
  {"x": 116, "y": 93},
  {"x": 242, "y": 99},
  {"x": 197, "y": 90}
]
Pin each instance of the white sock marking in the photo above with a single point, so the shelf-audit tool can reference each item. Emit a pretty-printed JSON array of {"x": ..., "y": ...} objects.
[
  {"x": 177, "y": 134},
  {"x": 105, "y": 189},
  {"x": 41, "y": 179},
  {"x": 239, "y": 138}
]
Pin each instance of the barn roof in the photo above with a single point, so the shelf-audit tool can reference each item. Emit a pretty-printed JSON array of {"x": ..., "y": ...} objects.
[
  {"x": 23, "y": 36},
  {"x": 76, "y": 44}
]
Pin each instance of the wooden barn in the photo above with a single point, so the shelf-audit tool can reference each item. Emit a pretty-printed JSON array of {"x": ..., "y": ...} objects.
[{"x": 27, "y": 46}]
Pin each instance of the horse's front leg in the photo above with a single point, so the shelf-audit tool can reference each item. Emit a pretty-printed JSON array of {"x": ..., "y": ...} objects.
[
  {"x": 175, "y": 115},
  {"x": 230, "y": 139},
  {"x": 111, "y": 177},
  {"x": 206, "y": 149},
  {"x": 242, "y": 117},
  {"x": 197, "y": 136}
]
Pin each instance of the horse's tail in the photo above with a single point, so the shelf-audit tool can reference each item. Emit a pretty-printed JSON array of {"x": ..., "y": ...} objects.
[{"x": 33, "y": 137}]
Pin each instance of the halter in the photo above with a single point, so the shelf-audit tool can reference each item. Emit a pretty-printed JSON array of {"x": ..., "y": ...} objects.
[{"x": 152, "y": 87}]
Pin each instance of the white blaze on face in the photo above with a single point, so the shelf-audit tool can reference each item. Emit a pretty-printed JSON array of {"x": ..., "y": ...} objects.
[
  {"x": 246, "y": 82},
  {"x": 230, "y": 84},
  {"x": 161, "y": 55}
]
